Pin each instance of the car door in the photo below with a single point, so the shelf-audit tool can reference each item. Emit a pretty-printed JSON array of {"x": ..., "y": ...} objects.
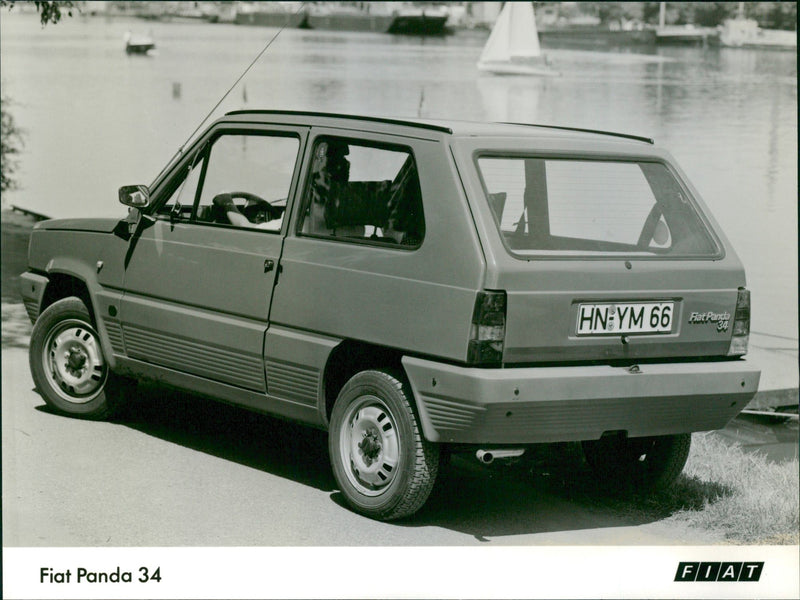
[{"x": 198, "y": 284}]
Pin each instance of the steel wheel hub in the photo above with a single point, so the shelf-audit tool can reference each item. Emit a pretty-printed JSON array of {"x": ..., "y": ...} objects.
[
  {"x": 74, "y": 362},
  {"x": 370, "y": 446}
]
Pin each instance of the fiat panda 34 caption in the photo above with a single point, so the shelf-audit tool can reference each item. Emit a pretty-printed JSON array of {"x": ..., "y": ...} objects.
[{"x": 414, "y": 288}]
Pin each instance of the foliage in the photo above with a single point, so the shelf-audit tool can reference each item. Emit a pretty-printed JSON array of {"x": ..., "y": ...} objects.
[
  {"x": 762, "y": 505},
  {"x": 11, "y": 143},
  {"x": 770, "y": 15},
  {"x": 780, "y": 15},
  {"x": 711, "y": 14},
  {"x": 724, "y": 494},
  {"x": 49, "y": 12}
]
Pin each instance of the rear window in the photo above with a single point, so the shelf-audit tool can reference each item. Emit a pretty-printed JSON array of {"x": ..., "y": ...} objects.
[{"x": 563, "y": 207}]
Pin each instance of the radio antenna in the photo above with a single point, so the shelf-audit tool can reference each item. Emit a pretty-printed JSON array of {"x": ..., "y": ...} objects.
[{"x": 235, "y": 83}]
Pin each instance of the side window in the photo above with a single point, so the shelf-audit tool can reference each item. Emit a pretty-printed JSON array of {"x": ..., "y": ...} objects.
[
  {"x": 247, "y": 180},
  {"x": 363, "y": 192}
]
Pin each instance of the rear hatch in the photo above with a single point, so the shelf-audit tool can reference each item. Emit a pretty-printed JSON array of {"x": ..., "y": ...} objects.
[
  {"x": 602, "y": 310},
  {"x": 606, "y": 258}
]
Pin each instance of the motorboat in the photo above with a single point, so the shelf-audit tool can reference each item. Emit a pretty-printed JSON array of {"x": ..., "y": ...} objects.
[{"x": 138, "y": 44}]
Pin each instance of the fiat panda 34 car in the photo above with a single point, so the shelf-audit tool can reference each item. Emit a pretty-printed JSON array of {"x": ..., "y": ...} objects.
[{"x": 414, "y": 288}]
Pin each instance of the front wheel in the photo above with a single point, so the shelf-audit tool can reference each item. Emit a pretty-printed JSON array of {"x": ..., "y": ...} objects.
[
  {"x": 68, "y": 366},
  {"x": 384, "y": 467},
  {"x": 644, "y": 464}
]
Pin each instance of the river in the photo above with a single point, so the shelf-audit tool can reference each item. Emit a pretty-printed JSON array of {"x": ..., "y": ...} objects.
[{"x": 96, "y": 118}]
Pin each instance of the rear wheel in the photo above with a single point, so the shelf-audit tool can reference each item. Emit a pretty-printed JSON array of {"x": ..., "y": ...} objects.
[
  {"x": 384, "y": 467},
  {"x": 645, "y": 464},
  {"x": 68, "y": 366}
]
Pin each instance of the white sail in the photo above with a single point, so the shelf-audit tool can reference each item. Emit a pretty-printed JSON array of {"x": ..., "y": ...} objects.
[
  {"x": 523, "y": 40},
  {"x": 497, "y": 47},
  {"x": 513, "y": 45}
]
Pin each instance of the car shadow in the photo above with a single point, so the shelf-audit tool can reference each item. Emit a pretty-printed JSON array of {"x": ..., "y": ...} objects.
[
  {"x": 262, "y": 442},
  {"x": 550, "y": 489}
]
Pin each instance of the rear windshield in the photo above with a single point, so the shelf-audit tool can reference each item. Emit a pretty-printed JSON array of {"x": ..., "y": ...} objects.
[{"x": 588, "y": 207}]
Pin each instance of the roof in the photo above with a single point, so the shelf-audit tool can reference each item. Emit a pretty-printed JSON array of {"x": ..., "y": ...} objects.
[{"x": 452, "y": 127}]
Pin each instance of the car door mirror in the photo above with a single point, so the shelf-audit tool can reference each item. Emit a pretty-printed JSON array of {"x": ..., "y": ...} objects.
[{"x": 135, "y": 196}]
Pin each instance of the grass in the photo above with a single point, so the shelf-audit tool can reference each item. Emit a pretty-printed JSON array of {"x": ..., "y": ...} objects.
[
  {"x": 757, "y": 501},
  {"x": 729, "y": 494}
]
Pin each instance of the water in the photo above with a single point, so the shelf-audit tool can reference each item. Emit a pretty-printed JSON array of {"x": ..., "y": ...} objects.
[{"x": 96, "y": 118}]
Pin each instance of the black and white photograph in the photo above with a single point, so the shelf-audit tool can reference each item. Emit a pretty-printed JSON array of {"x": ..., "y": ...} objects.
[{"x": 399, "y": 299}]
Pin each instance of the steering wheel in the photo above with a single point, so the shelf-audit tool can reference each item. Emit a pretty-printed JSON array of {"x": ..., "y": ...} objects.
[{"x": 257, "y": 205}]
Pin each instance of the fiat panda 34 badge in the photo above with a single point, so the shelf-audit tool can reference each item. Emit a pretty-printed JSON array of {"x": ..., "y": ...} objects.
[{"x": 415, "y": 288}]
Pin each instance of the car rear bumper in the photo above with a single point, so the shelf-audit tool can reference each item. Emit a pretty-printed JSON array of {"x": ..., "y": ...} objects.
[{"x": 560, "y": 404}]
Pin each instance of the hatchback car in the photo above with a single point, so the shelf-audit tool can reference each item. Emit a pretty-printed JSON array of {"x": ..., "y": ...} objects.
[{"x": 413, "y": 287}]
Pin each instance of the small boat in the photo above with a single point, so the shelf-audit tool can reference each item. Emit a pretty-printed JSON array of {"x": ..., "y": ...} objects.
[
  {"x": 687, "y": 35},
  {"x": 745, "y": 33},
  {"x": 271, "y": 14},
  {"x": 513, "y": 45},
  {"x": 415, "y": 20},
  {"x": 333, "y": 17},
  {"x": 140, "y": 44}
]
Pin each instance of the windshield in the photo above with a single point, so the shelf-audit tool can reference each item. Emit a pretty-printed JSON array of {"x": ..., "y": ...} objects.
[{"x": 580, "y": 207}]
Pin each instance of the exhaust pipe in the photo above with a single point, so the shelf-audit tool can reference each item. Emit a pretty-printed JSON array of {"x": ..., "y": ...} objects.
[{"x": 487, "y": 457}]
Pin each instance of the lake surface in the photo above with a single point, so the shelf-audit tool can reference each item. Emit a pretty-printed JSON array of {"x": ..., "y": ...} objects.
[{"x": 96, "y": 118}]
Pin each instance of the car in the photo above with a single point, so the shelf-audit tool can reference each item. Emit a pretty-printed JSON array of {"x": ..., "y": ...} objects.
[{"x": 415, "y": 288}]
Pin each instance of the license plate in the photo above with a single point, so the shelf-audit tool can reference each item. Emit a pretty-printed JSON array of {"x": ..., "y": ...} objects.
[{"x": 625, "y": 317}]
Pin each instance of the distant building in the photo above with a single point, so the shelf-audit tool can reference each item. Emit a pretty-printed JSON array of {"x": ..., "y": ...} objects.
[{"x": 484, "y": 14}]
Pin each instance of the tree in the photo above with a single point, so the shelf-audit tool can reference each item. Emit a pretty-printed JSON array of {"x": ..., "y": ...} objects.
[
  {"x": 11, "y": 143},
  {"x": 711, "y": 14},
  {"x": 49, "y": 12}
]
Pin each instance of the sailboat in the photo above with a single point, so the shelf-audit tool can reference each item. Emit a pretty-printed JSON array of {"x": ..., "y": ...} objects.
[{"x": 513, "y": 46}]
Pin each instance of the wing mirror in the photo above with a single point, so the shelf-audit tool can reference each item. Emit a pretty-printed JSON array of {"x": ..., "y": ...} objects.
[{"x": 135, "y": 196}]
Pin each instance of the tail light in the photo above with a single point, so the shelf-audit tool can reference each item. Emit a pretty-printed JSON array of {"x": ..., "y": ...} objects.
[
  {"x": 741, "y": 324},
  {"x": 488, "y": 331}
]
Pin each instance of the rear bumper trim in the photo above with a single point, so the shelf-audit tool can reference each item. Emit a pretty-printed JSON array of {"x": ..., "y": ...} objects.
[{"x": 560, "y": 404}]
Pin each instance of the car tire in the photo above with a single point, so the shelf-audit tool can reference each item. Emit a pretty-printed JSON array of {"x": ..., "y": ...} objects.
[
  {"x": 384, "y": 467},
  {"x": 68, "y": 365},
  {"x": 645, "y": 464}
]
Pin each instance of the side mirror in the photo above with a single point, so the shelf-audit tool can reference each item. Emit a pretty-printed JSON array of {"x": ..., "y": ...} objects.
[{"x": 135, "y": 196}]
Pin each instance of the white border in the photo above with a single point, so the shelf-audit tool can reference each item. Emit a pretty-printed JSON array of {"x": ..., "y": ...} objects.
[{"x": 431, "y": 572}]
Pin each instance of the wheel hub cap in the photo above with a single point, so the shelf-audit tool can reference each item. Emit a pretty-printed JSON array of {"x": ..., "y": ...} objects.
[
  {"x": 74, "y": 362},
  {"x": 370, "y": 446}
]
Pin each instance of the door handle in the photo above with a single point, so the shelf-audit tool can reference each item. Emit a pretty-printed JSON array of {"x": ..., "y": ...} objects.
[{"x": 269, "y": 264}]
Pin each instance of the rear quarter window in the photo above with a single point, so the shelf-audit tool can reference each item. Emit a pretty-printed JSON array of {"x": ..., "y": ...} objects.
[{"x": 592, "y": 207}]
